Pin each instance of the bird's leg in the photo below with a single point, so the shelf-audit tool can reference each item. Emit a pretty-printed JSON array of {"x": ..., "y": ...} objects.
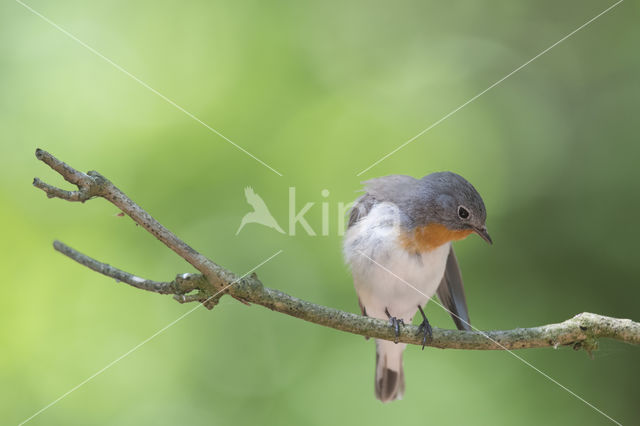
[
  {"x": 426, "y": 328},
  {"x": 395, "y": 323}
]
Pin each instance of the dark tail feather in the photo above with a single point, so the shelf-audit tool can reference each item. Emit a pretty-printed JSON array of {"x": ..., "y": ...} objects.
[{"x": 389, "y": 377}]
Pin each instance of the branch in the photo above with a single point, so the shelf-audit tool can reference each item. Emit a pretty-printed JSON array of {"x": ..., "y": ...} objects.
[
  {"x": 93, "y": 184},
  {"x": 181, "y": 285},
  {"x": 581, "y": 331}
]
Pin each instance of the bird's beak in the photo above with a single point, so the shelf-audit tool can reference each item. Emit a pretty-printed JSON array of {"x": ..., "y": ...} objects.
[{"x": 483, "y": 234}]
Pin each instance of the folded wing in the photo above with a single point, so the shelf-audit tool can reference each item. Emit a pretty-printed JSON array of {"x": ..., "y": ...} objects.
[{"x": 451, "y": 293}]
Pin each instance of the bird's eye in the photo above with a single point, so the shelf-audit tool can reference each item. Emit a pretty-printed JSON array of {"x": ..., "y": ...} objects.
[{"x": 463, "y": 213}]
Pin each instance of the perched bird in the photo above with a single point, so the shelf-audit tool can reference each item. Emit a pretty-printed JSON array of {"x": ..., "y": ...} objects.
[
  {"x": 260, "y": 213},
  {"x": 399, "y": 236}
]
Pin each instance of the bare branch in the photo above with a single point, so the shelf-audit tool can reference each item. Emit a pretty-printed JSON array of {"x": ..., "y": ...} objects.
[
  {"x": 180, "y": 286},
  {"x": 69, "y": 174},
  {"x": 53, "y": 192},
  {"x": 93, "y": 184},
  {"x": 581, "y": 331}
]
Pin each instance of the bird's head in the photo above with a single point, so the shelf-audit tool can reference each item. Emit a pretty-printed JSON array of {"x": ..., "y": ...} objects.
[{"x": 448, "y": 201}]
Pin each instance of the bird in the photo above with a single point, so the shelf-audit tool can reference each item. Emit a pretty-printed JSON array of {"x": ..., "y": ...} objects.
[
  {"x": 260, "y": 213},
  {"x": 399, "y": 236}
]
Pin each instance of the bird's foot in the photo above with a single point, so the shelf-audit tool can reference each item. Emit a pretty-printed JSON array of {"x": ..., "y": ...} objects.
[
  {"x": 395, "y": 323},
  {"x": 426, "y": 329}
]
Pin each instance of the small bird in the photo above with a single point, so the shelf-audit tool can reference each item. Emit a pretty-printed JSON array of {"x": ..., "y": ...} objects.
[
  {"x": 399, "y": 235},
  {"x": 260, "y": 213}
]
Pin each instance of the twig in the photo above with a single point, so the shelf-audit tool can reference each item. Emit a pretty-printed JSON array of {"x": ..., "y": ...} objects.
[
  {"x": 93, "y": 184},
  {"x": 580, "y": 331},
  {"x": 180, "y": 286}
]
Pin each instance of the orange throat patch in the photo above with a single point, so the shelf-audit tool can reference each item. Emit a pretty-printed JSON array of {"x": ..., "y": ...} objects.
[{"x": 427, "y": 238}]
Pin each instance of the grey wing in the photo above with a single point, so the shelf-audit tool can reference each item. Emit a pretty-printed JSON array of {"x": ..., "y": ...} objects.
[
  {"x": 451, "y": 293},
  {"x": 360, "y": 209},
  {"x": 394, "y": 188}
]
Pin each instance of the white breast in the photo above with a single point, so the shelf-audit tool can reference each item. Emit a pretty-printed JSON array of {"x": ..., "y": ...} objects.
[{"x": 385, "y": 275}]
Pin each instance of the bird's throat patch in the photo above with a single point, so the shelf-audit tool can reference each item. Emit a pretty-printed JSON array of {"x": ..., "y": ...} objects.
[{"x": 427, "y": 238}]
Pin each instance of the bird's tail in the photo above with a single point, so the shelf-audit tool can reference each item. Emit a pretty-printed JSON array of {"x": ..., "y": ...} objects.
[{"x": 389, "y": 371}]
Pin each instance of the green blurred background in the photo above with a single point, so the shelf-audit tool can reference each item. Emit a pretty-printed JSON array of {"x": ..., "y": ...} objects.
[{"x": 319, "y": 91}]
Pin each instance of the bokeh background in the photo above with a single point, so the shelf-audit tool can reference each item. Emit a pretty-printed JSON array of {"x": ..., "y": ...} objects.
[{"x": 319, "y": 91}]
